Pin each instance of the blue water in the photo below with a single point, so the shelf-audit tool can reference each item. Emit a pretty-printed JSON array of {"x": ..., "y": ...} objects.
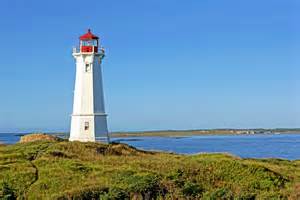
[{"x": 286, "y": 146}]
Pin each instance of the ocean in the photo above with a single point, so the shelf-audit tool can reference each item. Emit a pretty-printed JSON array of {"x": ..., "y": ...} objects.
[{"x": 284, "y": 146}]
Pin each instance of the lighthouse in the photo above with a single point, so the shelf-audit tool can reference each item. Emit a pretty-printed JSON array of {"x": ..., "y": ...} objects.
[{"x": 88, "y": 121}]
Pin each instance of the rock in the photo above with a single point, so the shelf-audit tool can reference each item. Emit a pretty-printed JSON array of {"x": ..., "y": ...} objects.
[{"x": 37, "y": 137}]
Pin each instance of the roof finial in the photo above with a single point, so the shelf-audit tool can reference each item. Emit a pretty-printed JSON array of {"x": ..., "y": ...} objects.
[{"x": 89, "y": 30}]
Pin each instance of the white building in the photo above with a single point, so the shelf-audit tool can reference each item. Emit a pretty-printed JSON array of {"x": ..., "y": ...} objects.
[{"x": 88, "y": 119}]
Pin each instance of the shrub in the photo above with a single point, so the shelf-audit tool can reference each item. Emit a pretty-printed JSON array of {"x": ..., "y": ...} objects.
[
  {"x": 115, "y": 194},
  {"x": 221, "y": 194},
  {"x": 192, "y": 189},
  {"x": 246, "y": 197},
  {"x": 143, "y": 183},
  {"x": 177, "y": 177},
  {"x": 92, "y": 193},
  {"x": 139, "y": 183},
  {"x": 79, "y": 167},
  {"x": 6, "y": 193}
]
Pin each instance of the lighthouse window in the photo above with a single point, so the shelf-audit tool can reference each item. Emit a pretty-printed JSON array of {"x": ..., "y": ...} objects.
[
  {"x": 89, "y": 43},
  {"x": 87, "y": 67},
  {"x": 86, "y": 126}
]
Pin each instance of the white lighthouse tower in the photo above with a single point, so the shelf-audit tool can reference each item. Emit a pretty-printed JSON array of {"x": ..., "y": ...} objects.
[{"x": 88, "y": 119}]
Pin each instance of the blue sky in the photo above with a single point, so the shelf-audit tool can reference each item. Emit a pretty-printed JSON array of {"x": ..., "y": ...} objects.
[{"x": 169, "y": 64}]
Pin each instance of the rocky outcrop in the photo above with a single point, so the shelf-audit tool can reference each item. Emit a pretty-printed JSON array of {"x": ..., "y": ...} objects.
[{"x": 38, "y": 137}]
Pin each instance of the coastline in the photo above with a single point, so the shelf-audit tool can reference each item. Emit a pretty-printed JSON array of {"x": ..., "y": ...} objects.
[
  {"x": 183, "y": 133},
  {"x": 177, "y": 133},
  {"x": 245, "y": 146}
]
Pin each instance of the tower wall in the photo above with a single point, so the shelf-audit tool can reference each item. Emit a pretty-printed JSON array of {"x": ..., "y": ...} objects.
[
  {"x": 88, "y": 119},
  {"x": 98, "y": 86}
]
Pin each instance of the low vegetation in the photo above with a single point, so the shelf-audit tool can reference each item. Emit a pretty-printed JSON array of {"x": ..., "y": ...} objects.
[{"x": 73, "y": 170}]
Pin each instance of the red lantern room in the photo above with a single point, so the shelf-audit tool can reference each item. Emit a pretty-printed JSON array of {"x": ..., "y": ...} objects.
[{"x": 89, "y": 42}]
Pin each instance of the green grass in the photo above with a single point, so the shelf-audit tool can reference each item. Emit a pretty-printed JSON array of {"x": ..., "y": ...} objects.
[{"x": 74, "y": 170}]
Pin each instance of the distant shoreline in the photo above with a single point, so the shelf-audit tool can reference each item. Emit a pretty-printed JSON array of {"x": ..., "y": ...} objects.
[{"x": 182, "y": 133}]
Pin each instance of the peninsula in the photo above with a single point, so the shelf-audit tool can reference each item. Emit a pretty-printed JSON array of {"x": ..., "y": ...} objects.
[{"x": 50, "y": 168}]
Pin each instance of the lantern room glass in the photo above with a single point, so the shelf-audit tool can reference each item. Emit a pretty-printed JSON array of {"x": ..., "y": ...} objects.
[{"x": 89, "y": 43}]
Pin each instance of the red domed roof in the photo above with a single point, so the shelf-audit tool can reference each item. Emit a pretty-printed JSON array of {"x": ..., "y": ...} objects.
[{"x": 88, "y": 36}]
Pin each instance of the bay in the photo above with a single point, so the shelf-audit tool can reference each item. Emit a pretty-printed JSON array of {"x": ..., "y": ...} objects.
[{"x": 284, "y": 146}]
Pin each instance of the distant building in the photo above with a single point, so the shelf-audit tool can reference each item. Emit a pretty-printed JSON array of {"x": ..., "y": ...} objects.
[{"x": 88, "y": 119}]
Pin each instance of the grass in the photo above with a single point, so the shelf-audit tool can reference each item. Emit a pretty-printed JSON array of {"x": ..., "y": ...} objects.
[{"x": 74, "y": 170}]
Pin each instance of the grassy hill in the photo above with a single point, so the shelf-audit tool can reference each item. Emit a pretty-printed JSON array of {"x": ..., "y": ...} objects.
[{"x": 74, "y": 170}]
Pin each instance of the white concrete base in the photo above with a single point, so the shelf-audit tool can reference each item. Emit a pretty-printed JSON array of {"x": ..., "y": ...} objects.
[{"x": 96, "y": 130}]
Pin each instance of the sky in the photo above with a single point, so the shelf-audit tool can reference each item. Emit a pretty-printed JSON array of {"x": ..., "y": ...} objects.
[{"x": 169, "y": 64}]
